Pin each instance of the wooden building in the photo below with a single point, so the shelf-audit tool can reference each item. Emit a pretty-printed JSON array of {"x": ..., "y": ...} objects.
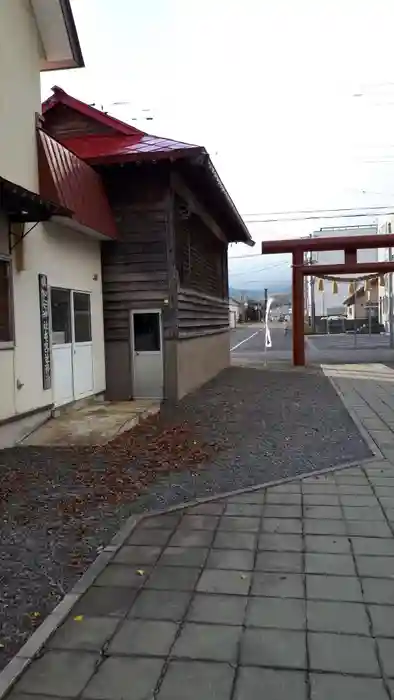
[{"x": 165, "y": 280}]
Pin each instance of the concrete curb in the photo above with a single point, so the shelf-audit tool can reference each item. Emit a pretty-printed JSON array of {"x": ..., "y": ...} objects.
[
  {"x": 363, "y": 432},
  {"x": 30, "y": 650}
]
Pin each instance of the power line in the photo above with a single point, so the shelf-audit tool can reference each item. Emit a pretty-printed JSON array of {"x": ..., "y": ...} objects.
[
  {"x": 324, "y": 216},
  {"x": 314, "y": 211},
  {"x": 261, "y": 269}
]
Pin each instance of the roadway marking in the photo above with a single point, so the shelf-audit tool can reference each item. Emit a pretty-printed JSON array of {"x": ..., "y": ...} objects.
[{"x": 244, "y": 341}]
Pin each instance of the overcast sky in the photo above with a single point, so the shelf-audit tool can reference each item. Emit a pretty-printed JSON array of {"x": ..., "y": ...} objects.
[{"x": 294, "y": 99}]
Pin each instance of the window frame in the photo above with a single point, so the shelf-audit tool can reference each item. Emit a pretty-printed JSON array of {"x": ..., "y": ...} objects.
[{"x": 9, "y": 344}]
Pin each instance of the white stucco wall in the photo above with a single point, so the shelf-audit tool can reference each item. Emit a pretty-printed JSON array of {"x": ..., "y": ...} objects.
[
  {"x": 20, "y": 92},
  {"x": 70, "y": 260}
]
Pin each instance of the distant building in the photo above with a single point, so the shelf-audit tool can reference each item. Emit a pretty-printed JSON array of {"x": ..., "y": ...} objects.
[{"x": 326, "y": 301}]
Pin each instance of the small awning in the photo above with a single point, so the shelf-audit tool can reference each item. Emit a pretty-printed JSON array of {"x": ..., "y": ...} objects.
[
  {"x": 71, "y": 182},
  {"x": 23, "y": 206}
]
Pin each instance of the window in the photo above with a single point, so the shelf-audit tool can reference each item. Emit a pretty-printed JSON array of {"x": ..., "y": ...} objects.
[
  {"x": 61, "y": 316},
  {"x": 147, "y": 332},
  {"x": 82, "y": 325},
  {"x": 6, "y": 330}
]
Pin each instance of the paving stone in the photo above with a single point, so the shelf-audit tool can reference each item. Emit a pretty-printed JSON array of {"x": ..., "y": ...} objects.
[
  {"x": 342, "y": 653},
  {"x": 322, "y": 479},
  {"x": 215, "y": 508},
  {"x": 255, "y": 497},
  {"x": 359, "y": 500},
  {"x": 161, "y": 605},
  {"x": 281, "y": 585},
  {"x": 199, "y": 522},
  {"x": 164, "y": 522},
  {"x": 89, "y": 635},
  {"x": 323, "y": 512},
  {"x": 239, "y": 524},
  {"x": 59, "y": 673},
  {"x": 241, "y": 559},
  {"x": 282, "y": 613},
  {"x": 190, "y": 538},
  {"x": 271, "y": 647},
  {"x": 288, "y": 499},
  {"x": 382, "y": 620},
  {"x": 106, "y": 601},
  {"x": 210, "y": 642},
  {"x": 118, "y": 675},
  {"x": 345, "y": 618},
  {"x": 324, "y": 527},
  {"x": 343, "y": 478},
  {"x": 137, "y": 555},
  {"x": 289, "y": 487},
  {"x": 378, "y": 590},
  {"x": 373, "y": 546},
  {"x": 321, "y": 499},
  {"x": 318, "y": 488},
  {"x": 279, "y": 561},
  {"x": 353, "y": 490},
  {"x": 386, "y": 650},
  {"x": 381, "y": 567},
  {"x": 235, "y": 540},
  {"x": 183, "y": 556},
  {"x": 279, "y": 542},
  {"x": 334, "y": 687},
  {"x": 203, "y": 681},
  {"x": 172, "y": 578},
  {"x": 389, "y": 512},
  {"x": 333, "y": 564},
  {"x": 282, "y": 525},
  {"x": 330, "y": 544},
  {"x": 363, "y": 513},
  {"x": 121, "y": 575},
  {"x": 280, "y": 511},
  {"x": 220, "y": 581},
  {"x": 143, "y": 638},
  {"x": 384, "y": 492},
  {"x": 386, "y": 502},
  {"x": 368, "y": 529},
  {"x": 344, "y": 588},
  {"x": 149, "y": 537},
  {"x": 219, "y": 609},
  {"x": 277, "y": 685},
  {"x": 244, "y": 509}
]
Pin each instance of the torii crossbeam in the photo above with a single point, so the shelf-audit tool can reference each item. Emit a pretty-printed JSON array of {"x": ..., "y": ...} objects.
[{"x": 300, "y": 269}]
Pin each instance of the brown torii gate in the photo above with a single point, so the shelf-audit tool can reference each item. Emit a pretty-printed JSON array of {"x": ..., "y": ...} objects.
[{"x": 300, "y": 269}]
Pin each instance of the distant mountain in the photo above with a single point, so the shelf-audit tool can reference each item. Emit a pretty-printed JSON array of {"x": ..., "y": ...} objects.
[{"x": 274, "y": 288}]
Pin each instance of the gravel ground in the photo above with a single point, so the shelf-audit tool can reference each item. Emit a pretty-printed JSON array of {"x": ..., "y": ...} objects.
[{"x": 59, "y": 507}]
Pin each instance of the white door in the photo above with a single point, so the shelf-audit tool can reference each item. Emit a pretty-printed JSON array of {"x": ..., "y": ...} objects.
[
  {"x": 62, "y": 347},
  {"x": 147, "y": 354},
  {"x": 82, "y": 345},
  {"x": 72, "y": 353}
]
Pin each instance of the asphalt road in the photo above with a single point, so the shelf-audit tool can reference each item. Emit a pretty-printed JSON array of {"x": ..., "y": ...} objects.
[{"x": 247, "y": 345}]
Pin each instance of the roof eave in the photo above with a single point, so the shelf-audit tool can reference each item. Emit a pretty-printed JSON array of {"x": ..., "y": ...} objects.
[
  {"x": 147, "y": 156},
  {"x": 245, "y": 236},
  {"x": 59, "y": 36}
]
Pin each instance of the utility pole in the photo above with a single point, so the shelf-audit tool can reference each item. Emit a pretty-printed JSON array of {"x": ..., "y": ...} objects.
[
  {"x": 265, "y": 301},
  {"x": 391, "y": 296}
]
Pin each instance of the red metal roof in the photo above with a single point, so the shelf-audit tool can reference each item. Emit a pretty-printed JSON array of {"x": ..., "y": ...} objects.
[
  {"x": 112, "y": 148},
  {"x": 72, "y": 183},
  {"x": 129, "y": 144}
]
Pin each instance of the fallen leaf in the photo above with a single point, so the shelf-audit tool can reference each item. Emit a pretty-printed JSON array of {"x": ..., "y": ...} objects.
[
  {"x": 140, "y": 572},
  {"x": 78, "y": 618}
]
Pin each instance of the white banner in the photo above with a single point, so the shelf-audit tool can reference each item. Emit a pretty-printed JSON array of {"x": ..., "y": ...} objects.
[{"x": 267, "y": 339}]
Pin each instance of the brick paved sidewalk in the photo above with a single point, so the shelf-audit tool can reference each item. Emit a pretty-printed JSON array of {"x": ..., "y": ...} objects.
[{"x": 285, "y": 592}]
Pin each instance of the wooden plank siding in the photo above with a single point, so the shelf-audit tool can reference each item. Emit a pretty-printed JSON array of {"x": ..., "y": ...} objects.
[
  {"x": 201, "y": 261},
  {"x": 135, "y": 268}
]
